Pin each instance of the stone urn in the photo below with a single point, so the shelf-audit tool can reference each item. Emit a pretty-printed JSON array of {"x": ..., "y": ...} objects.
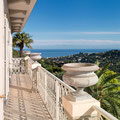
[
  {"x": 80, "y": 76},
  {"x": 35, "y": 56},
  {"x": 26, "y": 53}
]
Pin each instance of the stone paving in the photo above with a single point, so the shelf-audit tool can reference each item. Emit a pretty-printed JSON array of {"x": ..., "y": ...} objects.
[{"x": 23, "y": 103}]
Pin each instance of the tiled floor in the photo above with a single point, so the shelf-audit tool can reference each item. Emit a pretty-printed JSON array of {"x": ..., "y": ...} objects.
[{"x": 23, "y": 103}]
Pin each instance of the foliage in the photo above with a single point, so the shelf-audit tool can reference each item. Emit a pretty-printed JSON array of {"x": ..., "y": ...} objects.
[
  {"x": 112, "y": 56},
  {"x": 22, "y": 39},
  {"x": 118, "y": 79},
  {"x": 107, "y": 90},
  {"x": 15, "y": 54},
  {"x": 52, "y": 67}
]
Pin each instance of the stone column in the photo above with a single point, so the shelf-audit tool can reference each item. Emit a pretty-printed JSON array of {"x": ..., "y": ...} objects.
[
  {"x": 1, "y": 57},
  {"x": 78, "y": 105}
]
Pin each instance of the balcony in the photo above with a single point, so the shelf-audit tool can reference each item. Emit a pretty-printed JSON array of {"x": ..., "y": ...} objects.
[{"x": 36, "y": 94}]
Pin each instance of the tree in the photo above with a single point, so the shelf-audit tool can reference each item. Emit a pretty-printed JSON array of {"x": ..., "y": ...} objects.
[
  {"x": 107, "y": 90},
  {"x": 20, "y": 40}
]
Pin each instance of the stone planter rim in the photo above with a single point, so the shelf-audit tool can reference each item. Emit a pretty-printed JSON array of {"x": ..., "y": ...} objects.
[
  {"x": 80, "y": 67},
  {"x": 35, "y": 54},
  {"x": 26, "y": 52}
]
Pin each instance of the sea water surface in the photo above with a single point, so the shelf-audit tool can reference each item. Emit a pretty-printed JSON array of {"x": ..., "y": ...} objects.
[{"x": 64, "y": 52}]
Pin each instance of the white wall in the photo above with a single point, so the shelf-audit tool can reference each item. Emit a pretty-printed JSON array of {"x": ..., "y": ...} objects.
[
  {"x": 5, "y": 53},
  {"x": 1, "y": 56}
]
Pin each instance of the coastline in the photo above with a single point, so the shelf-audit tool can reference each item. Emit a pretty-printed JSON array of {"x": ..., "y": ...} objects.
[{"x": 47, "y": 53}]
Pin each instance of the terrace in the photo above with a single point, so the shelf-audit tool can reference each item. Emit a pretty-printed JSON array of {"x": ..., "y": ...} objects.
[
  {"x": 27, "y": 90},
  {"x": 36, "y": 94}
]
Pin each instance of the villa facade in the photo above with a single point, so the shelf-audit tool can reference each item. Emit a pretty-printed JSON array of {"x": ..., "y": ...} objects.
[{"x": 13, "y": 16}]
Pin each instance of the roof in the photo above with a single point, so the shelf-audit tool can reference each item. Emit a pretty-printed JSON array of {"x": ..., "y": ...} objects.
[{"x": 19, "y": 11}]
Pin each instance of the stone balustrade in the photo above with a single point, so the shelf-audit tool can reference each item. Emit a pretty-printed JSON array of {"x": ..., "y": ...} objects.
[{"x": 59, "y": 97}]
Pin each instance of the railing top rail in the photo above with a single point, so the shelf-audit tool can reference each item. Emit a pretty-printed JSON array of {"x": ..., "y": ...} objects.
[
  {"x": 60, "y": 81},
  {"x": 104, "y": 113}
]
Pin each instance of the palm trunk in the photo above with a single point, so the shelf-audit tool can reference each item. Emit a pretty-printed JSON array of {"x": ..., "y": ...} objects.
[
  {"x": 21, "y": 55},
  {"x": 21, "y": 50}
]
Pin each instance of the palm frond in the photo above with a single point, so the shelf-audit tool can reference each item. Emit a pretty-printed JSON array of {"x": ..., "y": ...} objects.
[
  {"x": 107, "y": 79},
  {"x": 20, "y": 38},
  {"x": 110, "y": 86},
  {"x": 113, "y": 109},
  {"x": 103, "y": 70}
]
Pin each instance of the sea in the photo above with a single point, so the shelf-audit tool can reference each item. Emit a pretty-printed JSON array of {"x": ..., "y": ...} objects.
[{"x": 46, "y": 53}]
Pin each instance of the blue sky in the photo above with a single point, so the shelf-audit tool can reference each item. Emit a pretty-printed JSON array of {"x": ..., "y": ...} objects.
[{"x": 75, "y": 24}]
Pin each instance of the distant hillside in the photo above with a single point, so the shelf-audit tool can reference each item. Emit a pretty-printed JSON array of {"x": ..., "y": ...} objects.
[{"x": 112, "y": 56}]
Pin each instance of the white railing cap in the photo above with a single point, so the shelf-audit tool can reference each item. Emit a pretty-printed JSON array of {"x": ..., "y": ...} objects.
[
  {"x": 35, "y": 65},
  {"x": 26, "y": 58},
  {"x": 104, "y": 113}
]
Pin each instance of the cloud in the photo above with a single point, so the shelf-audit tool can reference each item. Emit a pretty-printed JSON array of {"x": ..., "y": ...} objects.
[
  {"x": 77, "y": 33},
  {"x": 100, "y": 33},
  {"x": 84, "y": 42}
]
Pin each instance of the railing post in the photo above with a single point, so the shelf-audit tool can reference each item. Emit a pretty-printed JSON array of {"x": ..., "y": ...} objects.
[
  {"x": 34, "y": 70},
  {"x": 26, "y": 66},
  {"x": 26, "y": 63},
  {"x": 57, "y": 100}
]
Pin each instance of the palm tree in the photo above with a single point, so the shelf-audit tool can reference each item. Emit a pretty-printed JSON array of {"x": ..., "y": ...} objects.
[
  {"x": 107, "y": 90},
  {"x": 22, "y": 39}
]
